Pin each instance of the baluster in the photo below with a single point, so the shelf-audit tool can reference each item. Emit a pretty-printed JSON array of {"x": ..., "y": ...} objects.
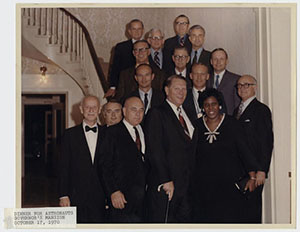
[
  {"x": 37, "y": 18},
  {"x": 54, "y": 26},
  {"x": 65, "y": 32},
  {"x": 43, "y": 22},
  {"x": 59, "y": 29},
  {"x": 48, "y": 23},
  {"x": 31, "y": 16},
  {"x": 74, "y": 40},
  {"x": 27, "y": 15},
  {"x": 80, "y": 42},
  {"x": 69, "y": 35}
]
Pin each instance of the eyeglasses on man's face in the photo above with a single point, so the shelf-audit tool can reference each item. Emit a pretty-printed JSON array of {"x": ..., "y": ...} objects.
[
  {"x": 140, "y": 49},
  {"x": 245, "y": 85},
  {"x": 177, "y": 57},
  {"x": 156, "y": 37}
]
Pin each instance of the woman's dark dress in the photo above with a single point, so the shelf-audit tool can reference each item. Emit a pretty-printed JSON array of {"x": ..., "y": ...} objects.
[{"x": 218, "y": 165}]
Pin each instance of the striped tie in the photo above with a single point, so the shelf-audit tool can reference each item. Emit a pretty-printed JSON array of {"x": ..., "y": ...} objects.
[{"x": 156, "y": 59}]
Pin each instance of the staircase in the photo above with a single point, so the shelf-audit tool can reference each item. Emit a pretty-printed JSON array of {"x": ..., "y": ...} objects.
[{"x": 66, "y": 42}]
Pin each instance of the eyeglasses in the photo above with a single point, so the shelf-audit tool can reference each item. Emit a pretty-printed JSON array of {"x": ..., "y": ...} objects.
[
  {"x": 156, "y": 37},
  {"x": 140, "y": 49},
  {"x": 181, "y": 23},
  {"x": 180, "y": 57},
  {"x": 245, "y": 85}
]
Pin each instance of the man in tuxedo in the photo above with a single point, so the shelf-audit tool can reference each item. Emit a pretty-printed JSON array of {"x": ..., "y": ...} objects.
[
  {"x": 181, "y": 28},
  {"x": 156, "y": 41},
  {"x": 79, "y": 183},
  {"x": 127, "y": 82},
  {"x": 199, "y": 76},
  {"x": 256, "y": 120},
  {"x": 181, "y": 58},
  {"x": 123, "y": 57},
  {"x": 124, "y": 171},
  {"x": 171, "y": 142},
  {"x": 198, "y": 53},
  {"x": 111, "y": 112},
  {"x": 151, "y": 97},
  {"x": 223, "y": 80}
]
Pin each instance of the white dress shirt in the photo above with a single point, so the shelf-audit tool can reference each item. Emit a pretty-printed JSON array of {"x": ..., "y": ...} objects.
[
  {"x": 247, "y": 102},
  {"x": 185, "y": 117},
  {"x": 91, "y": 138},
  {"x": 132, "y": 133},
  {"x": 196, "y": 96},
  {"x": 183, "y": 73},
  {"x": 142, "y": 96}
]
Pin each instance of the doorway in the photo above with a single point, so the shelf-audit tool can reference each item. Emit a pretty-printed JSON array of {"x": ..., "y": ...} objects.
[{"x": 43, "y": 123}]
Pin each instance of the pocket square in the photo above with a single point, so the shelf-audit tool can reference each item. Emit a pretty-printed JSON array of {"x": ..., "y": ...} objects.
[{"x": 247, "y": 120}]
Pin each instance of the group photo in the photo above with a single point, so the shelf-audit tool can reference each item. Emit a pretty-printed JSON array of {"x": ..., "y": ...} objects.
[{"x": 159, "y": 114}]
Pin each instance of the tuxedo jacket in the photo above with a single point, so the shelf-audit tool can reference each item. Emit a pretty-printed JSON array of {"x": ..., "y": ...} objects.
[
  {"x": 128, "y": 84},
  {"x": 123, "y": 167},
  {"x": 187, "y": 78},
  {"x": 204, "y": 59},
  {"x": 78, "y": 175},
  {"x": 228, "y": 89},
  {"x": 170, "y": 152},
  {"x": 257, "y": 123},
  {"x": 169, "y": 46},
  {"x": 123, "y": 59}
]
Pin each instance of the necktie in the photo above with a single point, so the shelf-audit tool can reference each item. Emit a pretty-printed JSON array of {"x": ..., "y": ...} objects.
[
  {"x": 180, "y": 74},
  {"x": 239, "y": 113},
  {"x": 156, "y": 59},
  {"x": 195, "y": 58},
  {"x": 217, "y": 81},
  {"x": 199, "y": 97},
  {"x": 137, "y": 139},
  {"x": 94, "y": 129},
  {"x": 182, "y": 121},
  {"x": 181, "y": 41},
  {"x": 146, "y": 101}
]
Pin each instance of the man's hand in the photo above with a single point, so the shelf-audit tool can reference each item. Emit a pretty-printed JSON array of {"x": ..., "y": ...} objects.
[
  {"x": 64, "y": 202},
  {"x": 118, "y": 200},
  {"x": 260, "y": 178},
  {"x": 250, "y": 185},
  {"x": 169, "y": 189},
  {"x": 110, "y": 93}
]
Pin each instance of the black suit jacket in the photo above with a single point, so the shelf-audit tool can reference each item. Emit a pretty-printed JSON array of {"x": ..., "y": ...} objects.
[
  {"x": 257, "y": 123},
  {"x": 228, "y": 89},
  {"x": 123, "y": 168},
  {"x": 128, "y": 84},
  {"x": 78, "y": 175},
  {"x": 123, "y": 59},
  {"x": 169, "y": 46},
  {"x": 169, "y": 151},
  {"x": 204, "y": 59}
]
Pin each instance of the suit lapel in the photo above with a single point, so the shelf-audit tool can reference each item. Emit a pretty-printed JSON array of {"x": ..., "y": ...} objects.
[
  {"x": 84, "y": 145},
  {"x": 248, "y": 111},
  {"x": 173, "y": 117}
]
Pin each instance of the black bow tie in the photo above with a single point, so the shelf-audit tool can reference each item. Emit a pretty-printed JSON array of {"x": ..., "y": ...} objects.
[{"x": 94, "y": 129}]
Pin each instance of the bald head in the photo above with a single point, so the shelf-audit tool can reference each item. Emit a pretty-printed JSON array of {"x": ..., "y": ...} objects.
[
  {"x": 247, "y": 86},
  {"x": 133, "y": 110}
]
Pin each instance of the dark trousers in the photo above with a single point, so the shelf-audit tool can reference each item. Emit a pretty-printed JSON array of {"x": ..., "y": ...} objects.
[
  {"x": 159, "y": 211},
  {"x": 253, "y": 208},
  {"x": 91, "y": 214},
  {"x": 134, "y": 211}
]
